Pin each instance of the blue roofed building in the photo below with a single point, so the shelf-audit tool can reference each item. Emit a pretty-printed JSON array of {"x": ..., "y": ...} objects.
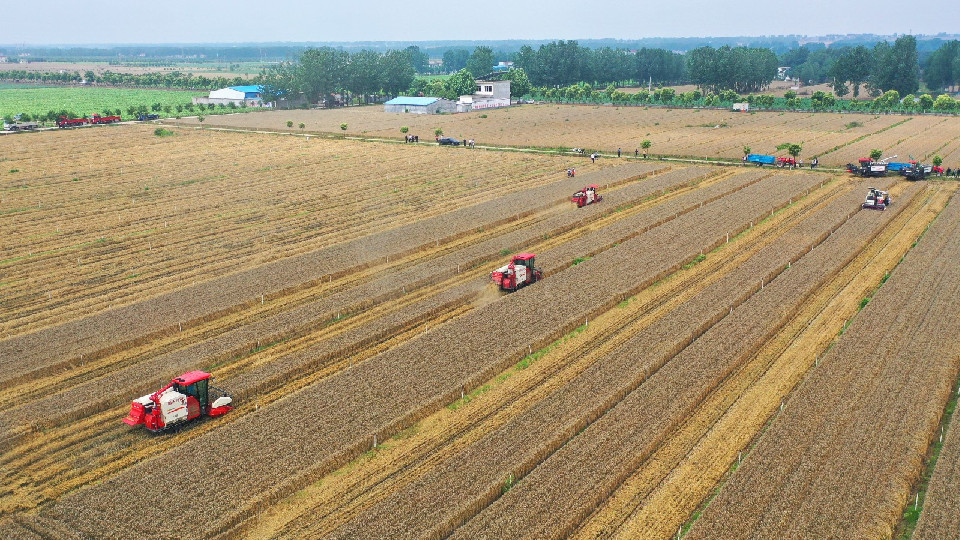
[{"x": 249, "y": 95}]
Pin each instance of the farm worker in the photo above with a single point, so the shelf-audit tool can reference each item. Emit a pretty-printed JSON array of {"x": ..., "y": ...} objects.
[
  {"x": 618, "y": 152},
  {"x": 636, "y": 152},
  {"x": 569, "y": 173},
  {"x": 573, "y": 172}
]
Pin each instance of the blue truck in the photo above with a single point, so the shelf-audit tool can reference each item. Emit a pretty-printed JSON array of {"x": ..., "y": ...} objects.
[{"x": 761, "y": 159}]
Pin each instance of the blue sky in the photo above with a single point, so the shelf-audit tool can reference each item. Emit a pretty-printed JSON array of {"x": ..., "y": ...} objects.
[{"x": 178, "y": 21}]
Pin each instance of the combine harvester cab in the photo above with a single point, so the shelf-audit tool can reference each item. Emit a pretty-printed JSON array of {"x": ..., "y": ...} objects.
[
  {"x": 186, "y": 398},
  {"x": 916, "y": 171},
  {"x": 876, "y": 200},
  {"x": 868, "y": 168},
  {"x": 520, "y": 272},
  {"x": 587, "y": 195}
]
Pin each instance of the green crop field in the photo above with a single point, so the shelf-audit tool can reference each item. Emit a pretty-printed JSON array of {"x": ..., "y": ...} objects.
[{"x": 85, "y": 101}]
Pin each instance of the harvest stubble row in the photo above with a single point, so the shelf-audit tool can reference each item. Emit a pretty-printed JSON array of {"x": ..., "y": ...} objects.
[
  {"x": 841, "y": 459},
  {"x": 580, "y": 475},
  {"x": 462, "y": 487},
  {"x": 330, "y": 422},
  {"x": 118, "y": 385},
  {"x": 94, "y": 334},
  {"x": 137, "y": 222}
]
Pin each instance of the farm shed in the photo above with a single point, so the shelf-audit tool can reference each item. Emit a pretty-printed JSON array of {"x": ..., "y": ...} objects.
[
  {"x": 250, "y": 94},
  {"x": 420, "y": 105}
]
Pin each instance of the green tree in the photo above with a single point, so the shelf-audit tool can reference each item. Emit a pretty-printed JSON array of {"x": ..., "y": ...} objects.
[
  {"x": 646, "y": 144},
  {"x": 404, "y": 129},
  {"x": 455, "y": 59},
  {"x": 480, "y": 62},
  {"x": 897, "y": 67},
  {"x": 876, "y": 154},
  {"x": 942, "y": 68},
  {"x": 822, "y": 100},
  {"x": 321, "y": 73},
  {"x": 343, "y": 126},
  {"x": 937, "y": 160},
  {"x": 438, "y": 132},
  {"x": 289, "y": 123},
  {"x": 926, "y": 102},
  {"x": 792, "y": 148},
  {"x": 519, "y": 82},
  {"x": 459, "y": 84},
  {"x": 419, "y": 60},
  {"x": 277, "y": 81},
  {"x": 397, "y": 73},
  {"x": 944, "y": 103},
  {"x": 363, "y": 74},
  {"x": 302, "y": 125},
  {"x": 746, "y": 150}
]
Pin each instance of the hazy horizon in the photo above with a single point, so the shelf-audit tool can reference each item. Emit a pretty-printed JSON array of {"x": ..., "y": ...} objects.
[{"x": 115, "y": 22}]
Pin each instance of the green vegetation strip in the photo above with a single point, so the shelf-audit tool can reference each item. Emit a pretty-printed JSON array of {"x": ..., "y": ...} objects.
[{"x": 911, "y": 514}]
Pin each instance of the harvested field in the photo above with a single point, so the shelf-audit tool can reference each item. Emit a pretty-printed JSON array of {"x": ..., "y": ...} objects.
[
  {"x": 340, "y": 290},
  {"x": 941, "y": 506},
  {"x": 836, "y": 139},
  {"x": 842, "y": 456}
]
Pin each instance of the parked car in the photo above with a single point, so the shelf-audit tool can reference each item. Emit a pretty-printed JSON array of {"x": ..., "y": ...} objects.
[{"x": 448, "y": 141}]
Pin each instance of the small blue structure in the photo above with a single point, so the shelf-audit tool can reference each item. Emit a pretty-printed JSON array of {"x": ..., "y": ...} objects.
[{"x": 761, "y": 159}]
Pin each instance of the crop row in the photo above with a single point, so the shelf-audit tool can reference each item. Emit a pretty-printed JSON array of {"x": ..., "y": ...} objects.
[
  {"x": 264, "y": 454},
  {"x": 119, "y": 384},
  {"x": 279, "y": 365},
  {"x": 941, "y": 508},
  {"x": 841, "y": 458},
  {"x": 582, "y": 473},
  {"x": 106, "y": 236},
  {"x": 196, "y": 302},
  {"x": 468, "y": 482},
  {"x": 122, "y": 383}
]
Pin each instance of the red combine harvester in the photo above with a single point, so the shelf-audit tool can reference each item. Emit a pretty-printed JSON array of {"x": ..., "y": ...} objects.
[
  {"x": 519, "y": 273},
  {"x": 64, "y": 122},
  {"x": 587, "y": 195},
  {"x": 787, "y": 162},
  {"x": 876, "y": 200},
  {"x": 186, "y": 398},
  {"x": 97, "y": 119}
]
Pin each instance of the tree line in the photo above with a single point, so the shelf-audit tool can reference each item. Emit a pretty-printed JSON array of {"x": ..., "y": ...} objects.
[
  {"x": 173, "y": 79},
  {"x": 876, "y": 69}
]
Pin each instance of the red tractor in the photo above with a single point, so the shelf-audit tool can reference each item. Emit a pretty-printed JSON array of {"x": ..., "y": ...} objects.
[
  {"x": 587, "y": 195},
  {"x": 786, "y": 162},
  {"x": 519, "y": 273},
  {"x": 186, "y": 398}
]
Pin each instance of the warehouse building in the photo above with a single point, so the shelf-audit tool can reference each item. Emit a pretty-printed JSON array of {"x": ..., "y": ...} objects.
[
  {"x": 420, "y": 105},
  {"x": 238, "y": 95}
]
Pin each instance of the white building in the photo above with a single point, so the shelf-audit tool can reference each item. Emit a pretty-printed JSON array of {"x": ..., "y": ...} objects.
[
  {"x": 489, "y": 95},
  {"x": 238, "y": 95}
]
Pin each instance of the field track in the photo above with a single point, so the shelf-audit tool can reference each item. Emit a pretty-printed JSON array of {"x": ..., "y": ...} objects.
[
  {"x": 836, "y": 139},
  {"x": 340, "y": 290}
]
